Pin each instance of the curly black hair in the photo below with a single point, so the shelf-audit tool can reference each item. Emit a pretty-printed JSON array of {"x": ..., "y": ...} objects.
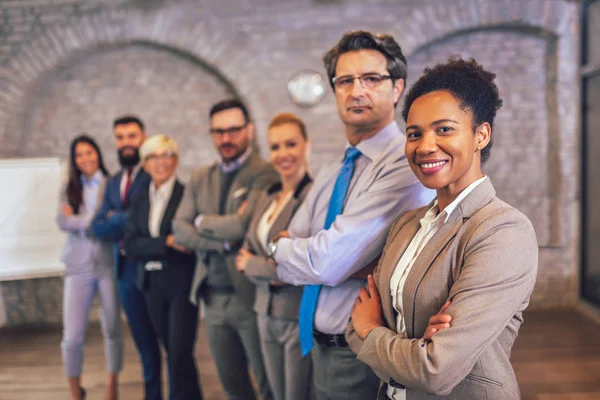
[{"x": 468, "y": 82}]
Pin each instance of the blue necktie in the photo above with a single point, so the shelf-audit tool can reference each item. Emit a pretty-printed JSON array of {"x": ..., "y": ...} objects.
[{"x": 308, "y": 305}]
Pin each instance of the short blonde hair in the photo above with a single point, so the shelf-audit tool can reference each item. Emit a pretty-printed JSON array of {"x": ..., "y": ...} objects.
[{"x": 156, "y": 142}]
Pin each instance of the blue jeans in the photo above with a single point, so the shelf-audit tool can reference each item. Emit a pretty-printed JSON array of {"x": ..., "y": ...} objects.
[{"x": 142, "y": 330}]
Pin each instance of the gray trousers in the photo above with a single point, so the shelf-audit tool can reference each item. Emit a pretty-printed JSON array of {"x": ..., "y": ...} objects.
[
  {"x": 289, "y": 373},
  {"x": 337, "y": 374},
  {"x": 80, "y": 289},
  {"x": 232, "y": 335}
]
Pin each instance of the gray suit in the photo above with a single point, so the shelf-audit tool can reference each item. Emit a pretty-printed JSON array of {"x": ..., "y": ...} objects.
[
  {"x": 484, "y": 259},
  {"x": 89, "y": 269},
  {"x": 277, "y": 306},
  {"x": 230, "y": 320}
]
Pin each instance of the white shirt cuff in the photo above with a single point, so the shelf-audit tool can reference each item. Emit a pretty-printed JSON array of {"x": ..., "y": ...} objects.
[
  {"x": 153, "y": 266},
  {"x": 285, "y": 274},
  {"x": 198, "y": 220}
]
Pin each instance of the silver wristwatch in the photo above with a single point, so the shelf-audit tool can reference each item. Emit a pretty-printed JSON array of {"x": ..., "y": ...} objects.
[{"x": 271, "y": 249}]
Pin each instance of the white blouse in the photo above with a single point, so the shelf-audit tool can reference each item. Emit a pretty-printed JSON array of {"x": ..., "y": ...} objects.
[
  {"x": 430, "y": 224},
  {"x": 265, "y": 223}
]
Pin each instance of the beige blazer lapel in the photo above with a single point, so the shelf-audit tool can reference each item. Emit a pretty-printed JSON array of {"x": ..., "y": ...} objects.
[
  {"x": 237, "y": 194},
  {"x": 284, "y": 217},
  {"x": 251, "y": 236},
  {"x": 390, "y": 260},
  {"x": 477, "y": 199},
  {"x": 239, "y": 190},
  {"x": 423, "y": 262},
  {"x": 213, "y": 190}
]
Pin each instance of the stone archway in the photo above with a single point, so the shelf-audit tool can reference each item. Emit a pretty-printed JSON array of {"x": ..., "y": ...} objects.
[
  {"x": 171, "y": 92},
  {"x": 205, "y": 45}
]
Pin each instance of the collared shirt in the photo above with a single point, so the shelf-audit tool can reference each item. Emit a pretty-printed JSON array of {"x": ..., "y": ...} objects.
[
  {"x": 134, "y": 173},
  {"x": 382, "y": 187},
  {"x": 430, "y": 224},
  {"x": 91, "y": 187},
  {"x": 237, "y": 163},
  {"x": 159, "y": 199},
  {"x": 266, "y": 221}
]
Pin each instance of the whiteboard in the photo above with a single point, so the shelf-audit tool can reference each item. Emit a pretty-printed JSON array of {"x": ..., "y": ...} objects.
[{"x": 30, "y": 241}]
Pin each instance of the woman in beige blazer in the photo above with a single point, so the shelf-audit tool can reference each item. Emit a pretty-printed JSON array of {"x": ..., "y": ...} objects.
[
  {"x": 467, "y": 246},
  {"x": 277, "y": 303}
]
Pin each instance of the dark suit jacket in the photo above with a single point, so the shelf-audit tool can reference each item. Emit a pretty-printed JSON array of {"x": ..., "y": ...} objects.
[
  {"x": 178, "y": 268},
  {"x": 277, "y": 301},
  {"x": 113, "y": 227}
]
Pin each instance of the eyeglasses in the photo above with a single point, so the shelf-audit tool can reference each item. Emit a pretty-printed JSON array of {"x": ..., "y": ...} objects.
[
  {"x": 167, "y": 155},
  {"x": 371, "y": 80},
  {"x": 231, "y": 131}
]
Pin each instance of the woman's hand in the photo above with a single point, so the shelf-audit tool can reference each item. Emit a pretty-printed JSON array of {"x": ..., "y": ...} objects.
[
  {"x": 170, "y": 242},
  {"x": 67, "y": 210},
  {"x": 439, "y": 321},
  {"x": 282, "y": 234},
  {"x": 367, "y": 314},
  {"x": 242, "y": 258},
  {"x": 242, "y": 208}
]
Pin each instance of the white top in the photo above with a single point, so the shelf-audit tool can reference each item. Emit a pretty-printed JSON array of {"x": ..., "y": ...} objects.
[
  {"x": 159, "y": 198},
  {"x": 265, "y": 223},
  {"x": 430, "y": 224}
]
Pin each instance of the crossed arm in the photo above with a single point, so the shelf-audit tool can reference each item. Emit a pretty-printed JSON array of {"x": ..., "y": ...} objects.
[
  {"x": 492, "y": 287},
  {"x": 109, "y": 223},
  {"x": 330, "y": 257},
  {"x": 215, "y": 230}
]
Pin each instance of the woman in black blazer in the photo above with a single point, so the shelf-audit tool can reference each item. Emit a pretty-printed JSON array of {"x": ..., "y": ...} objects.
[{"x": 165, "y": 269}]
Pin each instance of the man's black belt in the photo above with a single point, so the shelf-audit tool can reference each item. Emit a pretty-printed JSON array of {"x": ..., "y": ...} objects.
[{"x": 329, "y": 339}]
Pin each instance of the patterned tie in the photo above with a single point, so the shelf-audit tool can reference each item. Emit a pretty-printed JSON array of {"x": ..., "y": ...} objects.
[
  {"x": 125, "y": 204},
  {"x": 127, "y": 186},
  {"x": 308, "y": 305}
]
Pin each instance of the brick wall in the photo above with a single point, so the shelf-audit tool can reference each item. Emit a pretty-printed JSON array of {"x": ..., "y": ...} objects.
[
  {"x": 167, "y": 90},
  {"x": 71, "y": 66}
]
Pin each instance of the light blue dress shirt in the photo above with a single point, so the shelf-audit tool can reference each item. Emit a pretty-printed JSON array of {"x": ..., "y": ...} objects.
[
  {"x": 383, "y": 186},
  {"x": 91, "y": 187}
]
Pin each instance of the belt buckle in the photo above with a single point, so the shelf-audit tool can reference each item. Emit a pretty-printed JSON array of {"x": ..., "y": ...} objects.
[
  {"x": 332, "y": 340},
  {"x": 338, "y": 340}
]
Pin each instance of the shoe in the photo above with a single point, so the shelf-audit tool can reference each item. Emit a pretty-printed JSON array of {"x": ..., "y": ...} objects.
[{"x": 82, "y": 393}]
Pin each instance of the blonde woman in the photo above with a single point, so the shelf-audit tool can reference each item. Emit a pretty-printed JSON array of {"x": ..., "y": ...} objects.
[{"x": 165, "y": 269}]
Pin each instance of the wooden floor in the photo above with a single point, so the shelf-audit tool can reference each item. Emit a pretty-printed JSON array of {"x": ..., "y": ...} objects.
[{"x": 557, "y": 357}]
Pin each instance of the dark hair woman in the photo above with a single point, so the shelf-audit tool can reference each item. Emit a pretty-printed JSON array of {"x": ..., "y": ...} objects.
[
  {"x": 88, "y": 268},
  {"x": 467, "y": 247}
]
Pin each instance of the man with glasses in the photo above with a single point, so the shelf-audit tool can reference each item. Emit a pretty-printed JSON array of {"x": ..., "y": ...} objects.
[
  {"x": 338, "y": 233},
  {"x": 212, "y": 219}
]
